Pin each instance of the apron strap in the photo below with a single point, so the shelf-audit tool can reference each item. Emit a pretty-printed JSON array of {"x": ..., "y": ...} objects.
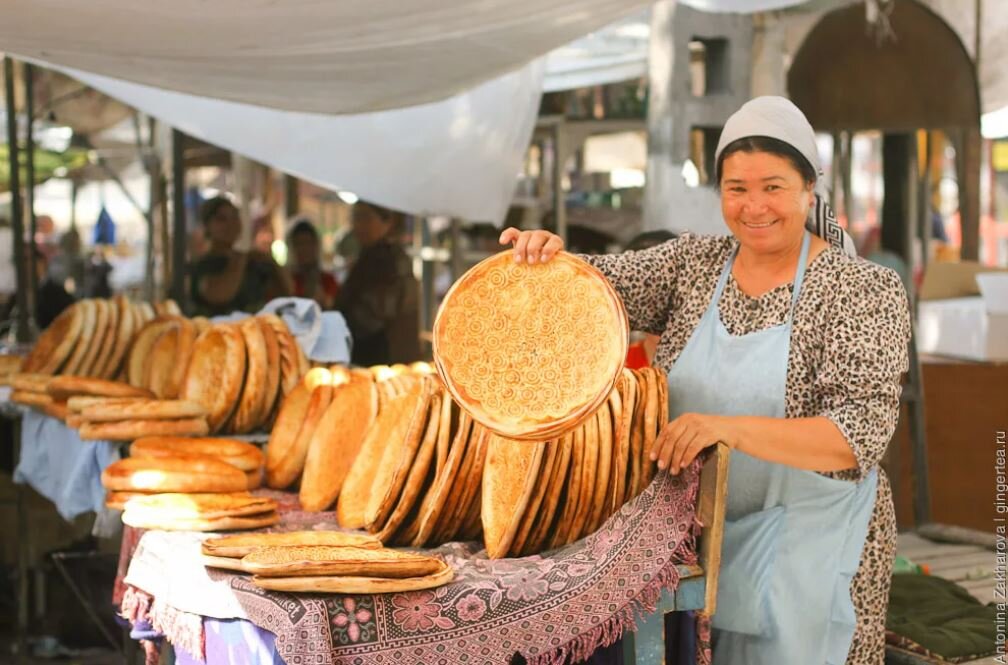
[{"x": 800, "y": 273}]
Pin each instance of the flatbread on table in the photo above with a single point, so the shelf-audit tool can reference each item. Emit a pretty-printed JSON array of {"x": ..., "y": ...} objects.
[
  {"x": 336, "y": 441},
  {"x": 314, "y": 560},
  {"x": 355, "y": 584},
  {"x": 239, "y": 454},
  {"x": 241, "y": 544},
  {"x": 78, "y": 403},
  {"x": 147, "y": 409},
  {"x": 216, "y": 372},
  {"x": 56, "y": 343},
  {"x": 37, "y": 400},
  {"x": 249, "y": 411},
  {"x": 172, "y": 505},
  {"x": 351, "y": 507},
  {"x": 148, "y": 334},
  {"x": 125, "y": 328},
  {"x": 189, "y": 473},
  {"x": 272, "y": 395},
  {"x": 107, "y": 340},
  {"x": 101, "y": 328},
  {"x": 66, "y": 387},
  {"x": 530, "y": 350},
  {"x": 230, "y": 523},
  {"x": 128, "y": 430},
  {"x": 31, "y": 382},
  {"x": 75, "y": 363},
  {"x": 529, "y": 519},
  {"x": 551, "y": 499},
  {"x": 433, "y": 505}
]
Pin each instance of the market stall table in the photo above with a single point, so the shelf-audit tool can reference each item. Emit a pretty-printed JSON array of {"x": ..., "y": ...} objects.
[{"x": 570, "y": 601}]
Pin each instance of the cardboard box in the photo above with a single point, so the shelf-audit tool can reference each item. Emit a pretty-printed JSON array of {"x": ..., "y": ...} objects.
[{"x": 974, "y": 328}]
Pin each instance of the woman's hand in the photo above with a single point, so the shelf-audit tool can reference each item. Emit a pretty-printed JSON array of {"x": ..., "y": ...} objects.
[
  {"x": 682, "y": 439},
  {"x": 532, "y": 246}
]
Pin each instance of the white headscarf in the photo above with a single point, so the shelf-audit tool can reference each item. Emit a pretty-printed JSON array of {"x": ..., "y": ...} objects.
[{"x": 778, "y": 118}]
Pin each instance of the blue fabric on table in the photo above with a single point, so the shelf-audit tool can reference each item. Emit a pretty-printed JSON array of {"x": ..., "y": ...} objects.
[{"x": 57, "y": 464}]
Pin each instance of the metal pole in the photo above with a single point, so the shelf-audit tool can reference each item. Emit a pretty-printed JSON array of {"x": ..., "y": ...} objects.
[
  {"x": 179, "y": 236},
  {"x": 15, "y": 190},
  {"x": 29, "y": 73}
]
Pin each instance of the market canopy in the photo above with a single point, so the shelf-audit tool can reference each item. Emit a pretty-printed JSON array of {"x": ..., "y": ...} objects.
[{"x": 303, "y": 55}]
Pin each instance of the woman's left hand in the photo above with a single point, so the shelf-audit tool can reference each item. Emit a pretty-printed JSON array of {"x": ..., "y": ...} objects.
[{"x": 682, "y": 439}]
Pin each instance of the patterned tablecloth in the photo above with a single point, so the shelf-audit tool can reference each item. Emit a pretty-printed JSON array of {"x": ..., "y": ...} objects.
[{"x": 547, "y": 608}]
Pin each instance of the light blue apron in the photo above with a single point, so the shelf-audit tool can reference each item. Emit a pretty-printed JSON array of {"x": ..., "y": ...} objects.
[{"x": 793, "y": 538}]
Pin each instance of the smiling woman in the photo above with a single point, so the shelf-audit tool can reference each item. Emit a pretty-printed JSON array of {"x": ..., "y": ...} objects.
[{"x": 788, "y": 349}]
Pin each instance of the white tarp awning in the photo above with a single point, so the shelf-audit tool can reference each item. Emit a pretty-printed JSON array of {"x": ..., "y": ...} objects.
[
  {"x": 352, "y": 56},
  {"x": 457, "y": 157}
]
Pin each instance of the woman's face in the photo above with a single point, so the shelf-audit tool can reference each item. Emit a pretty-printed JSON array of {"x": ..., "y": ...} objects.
[
  {"x": 764, "y": 200},
  {"x": 305, "y": 248},
  {"x": 368, "y": 226},
  {"x": 224, "y": 227}
]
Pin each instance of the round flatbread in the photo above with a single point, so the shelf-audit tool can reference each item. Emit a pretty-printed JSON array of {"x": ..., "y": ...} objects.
[
  {"x": 238, "y": 523},
  {"x": 176, "y": 505},
  {"x": 101, "y": 329},
  {"x": 66, "y": 387},
  {"x": 529, "y": 350},
  {"x": 312, "y": 560},
  {"x": 240, "y": 454},
  {"x": 129, "y": 430},
  {"x": 250, "y": 410},
  {"x": 56, "y": 343},
  {"x": 75, "y": 363},
  {"x": 38, "y": 400},
  {"x": 173, "y": 474},
  {"x": 356, "y": 584},
  {"x": 143, "y": 410},
  {"x": 143, "y": 343},
  {"x": 240, "y": 545},
  {"x": 335, "y": 443},
  {"x": 216, "y": 372},
  {"x": 108, "y": 339},
  {"x": 272, "y": 393},
  {"x": 124, "y": 334},
  {"x": 32, "y": 383}
]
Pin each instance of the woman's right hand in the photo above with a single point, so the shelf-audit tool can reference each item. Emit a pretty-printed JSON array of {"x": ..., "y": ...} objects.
[{"x": 532, "y": 246}]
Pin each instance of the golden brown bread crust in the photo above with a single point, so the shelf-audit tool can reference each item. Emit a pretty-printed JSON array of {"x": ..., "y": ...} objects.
[
  {"x": 272, "y": 396},
  {"x": 249, "y": 411},
  {"x": 152, "y": 409},
  {"x": 173, "y": 474},
  {"x": 241, "y": 544},
  {"x": 107, "y": 340},
  {"x": 312, "y": 560},
  {"x": 129, "y": 430},
  {"x": 38, "y": 400},
  {"x": 530, "y": 350},
  {"x": 230, "y": 523},
  {"x": 216, "y": 372},
  {"x": 205, "y": 505},
  {"x": 56, "y": 343},
  {"x": 285, "y": 464},
  {"x": 283, "y": 435},
  {"x": 142, "y": 344},
  {"x": 120, "y": 340},
  {"x": 240, "y": 454},
  {"x": 78, "y": 403},
  {"x": 290, "y": 363},
  {"x": 29, "y": 382},
  {"x": 117, "y": 500},
  {"x": 335, "y": 443},
  {"x": 74, "y": 364},
  {"x": 65, "y": 387},
  {"x": 356, "y": 584},
  {"x": 101, "y": 328}
]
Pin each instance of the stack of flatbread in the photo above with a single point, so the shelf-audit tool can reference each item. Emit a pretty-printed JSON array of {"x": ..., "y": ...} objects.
[
  {"x": 159, "y": 464},
  {"x": 130, "y": 418},
  {"x": 323, "y": 423},
  {"x": 240, "y": 372},
  {"x": 416, "y": 479},
  {"x": 227, "y": 551},
  {"x": 200, "y": 512},
  {"x": 9, "y": 365},
  {"x": 327, "y": 569},
  {"x": 91, "y": 337},
  {"x": 542, "y": 495},
  {"x": 30, "y": 390}
]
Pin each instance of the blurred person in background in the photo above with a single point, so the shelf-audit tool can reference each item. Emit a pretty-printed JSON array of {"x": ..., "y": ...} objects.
[
  {"x": 380, "y": 299},
  {"x": 310, "y": 281},
  {"x": 226, "y": 280},
  {"x": 53, "y": 298}
]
